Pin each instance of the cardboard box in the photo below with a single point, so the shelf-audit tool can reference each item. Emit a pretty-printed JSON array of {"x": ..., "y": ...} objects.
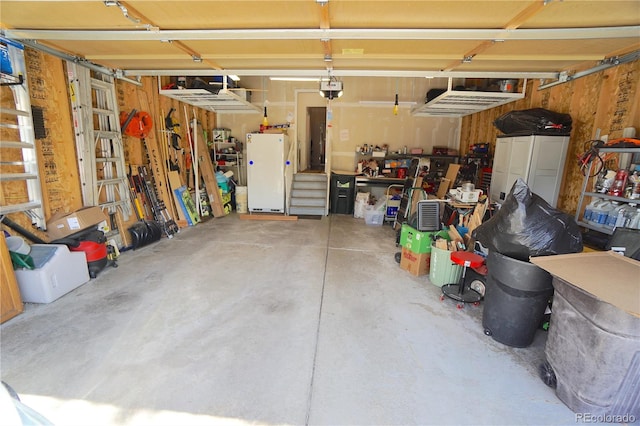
[
  {"x": 608, "y": 276},
  {"x": 415, "y": 263},
  {"x": 61, "y": 226},
  {"x": 416, "y": 241}
]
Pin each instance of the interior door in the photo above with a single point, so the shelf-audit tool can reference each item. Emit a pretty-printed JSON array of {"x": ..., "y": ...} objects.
[{"x": 317, "y": 137}]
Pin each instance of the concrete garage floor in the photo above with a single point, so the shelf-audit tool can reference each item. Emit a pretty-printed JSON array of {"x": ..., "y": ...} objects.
[{"x": 241, "y": 322}]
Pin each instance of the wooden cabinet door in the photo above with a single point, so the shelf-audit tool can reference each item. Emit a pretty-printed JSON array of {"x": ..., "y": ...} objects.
[{"x": 9, "y": 292}]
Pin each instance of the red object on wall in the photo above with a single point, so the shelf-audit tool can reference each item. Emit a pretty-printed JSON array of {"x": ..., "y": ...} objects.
[{"x": 139, "y": 126}]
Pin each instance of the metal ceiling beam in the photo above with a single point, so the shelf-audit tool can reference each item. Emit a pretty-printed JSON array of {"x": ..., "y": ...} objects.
[
  {"x": 81, "y": 61},
  {"x": 329, "y": 33},
  {"x": 603, "y": 65},
  {"x": 344, "y": 73}
]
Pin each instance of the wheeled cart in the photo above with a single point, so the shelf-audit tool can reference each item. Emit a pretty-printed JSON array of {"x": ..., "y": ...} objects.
[{"x": 393, "y": 196}]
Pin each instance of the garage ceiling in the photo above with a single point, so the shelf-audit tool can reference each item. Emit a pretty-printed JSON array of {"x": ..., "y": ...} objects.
[{"x": 510, "y": 38}]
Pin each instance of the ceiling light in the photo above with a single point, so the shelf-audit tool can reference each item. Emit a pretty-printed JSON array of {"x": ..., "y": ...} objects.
[
  {"x": 327, "y": 58},
  {"x": 196, "y": 58},
  {"x": 234, "y": 77},
  {"x": 322, "y": 2}
]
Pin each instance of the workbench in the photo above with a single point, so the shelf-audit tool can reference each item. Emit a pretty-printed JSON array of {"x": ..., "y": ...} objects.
[{"x": 377, "y": 181}]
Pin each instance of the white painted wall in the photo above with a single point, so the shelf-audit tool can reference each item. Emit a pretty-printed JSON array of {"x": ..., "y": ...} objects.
[{"x": 354, "y": 122}]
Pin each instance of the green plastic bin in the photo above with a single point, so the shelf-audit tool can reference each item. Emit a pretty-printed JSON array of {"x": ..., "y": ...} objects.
[{"x": 443, "y": 271}]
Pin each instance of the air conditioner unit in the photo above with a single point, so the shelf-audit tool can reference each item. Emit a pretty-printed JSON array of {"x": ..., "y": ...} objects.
[{"x": 331, "y": 89}]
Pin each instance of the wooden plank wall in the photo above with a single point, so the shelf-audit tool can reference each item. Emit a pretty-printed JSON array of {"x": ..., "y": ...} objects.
[
  {"x": 57, "y": 153},
  {"x": 608, "y": 100}
]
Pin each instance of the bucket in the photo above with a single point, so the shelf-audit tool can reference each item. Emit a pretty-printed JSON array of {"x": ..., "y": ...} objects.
[
  {"x": 443, "y": 271},
  {"x": 241, "y": 199}
]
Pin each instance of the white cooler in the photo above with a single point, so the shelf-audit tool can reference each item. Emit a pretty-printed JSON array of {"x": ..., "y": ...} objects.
[{"x": 57, "y": 272}]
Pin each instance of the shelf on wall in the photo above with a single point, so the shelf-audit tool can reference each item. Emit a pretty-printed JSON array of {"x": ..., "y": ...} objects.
[
  {"x": 224, "y": 101},
  {"x": 458, "y": 103}
]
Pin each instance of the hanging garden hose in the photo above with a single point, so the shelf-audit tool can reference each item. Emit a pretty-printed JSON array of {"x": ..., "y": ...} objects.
[{"x": 590, "y": 162}]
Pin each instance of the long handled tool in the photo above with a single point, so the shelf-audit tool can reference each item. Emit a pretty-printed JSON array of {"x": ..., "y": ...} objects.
[
  {"x": 160, "y": 213},
  {"x": 194, "y": 155}
]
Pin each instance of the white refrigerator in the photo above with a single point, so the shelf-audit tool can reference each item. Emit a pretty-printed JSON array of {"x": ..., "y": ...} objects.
[{"x": 266, "y": 166}]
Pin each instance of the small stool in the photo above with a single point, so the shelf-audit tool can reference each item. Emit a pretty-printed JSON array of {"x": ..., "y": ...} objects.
[{"x": 460, "y": 291}]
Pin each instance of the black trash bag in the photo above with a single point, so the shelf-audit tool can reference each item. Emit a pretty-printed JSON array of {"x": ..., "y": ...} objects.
[
  {"x": 537, "y": 121},
  {"x": 526, "y": 225}
]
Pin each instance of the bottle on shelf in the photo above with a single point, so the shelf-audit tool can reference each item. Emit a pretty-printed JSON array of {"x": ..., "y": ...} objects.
[
  {"x": 588, "y": 211},
  {"x": 626, "y": 215},
  {"x": 597, "y": 211},
  {"x": 634, "y": 181},
  {"x": 619, "y": 183},
  {"x": 634, "y": 223},
  {"x": 603, "y": 210},
  {"x": 612, "y": 217}
]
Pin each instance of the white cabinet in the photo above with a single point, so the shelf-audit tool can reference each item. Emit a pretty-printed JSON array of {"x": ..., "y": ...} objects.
[{"x": 536, "y": 159}]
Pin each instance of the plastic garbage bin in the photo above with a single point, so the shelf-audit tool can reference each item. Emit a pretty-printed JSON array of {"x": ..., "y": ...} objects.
[
  {"x": 593, "y": 347},
  {"x": 606, "y": 381},
  {"x": 516, "y": 297},
  {"x": 342, "y": 193}
]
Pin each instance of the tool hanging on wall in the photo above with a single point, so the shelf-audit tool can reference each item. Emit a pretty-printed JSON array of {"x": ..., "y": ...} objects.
[
  {"x": 173, "y": 140},
  {"x": 194, "y": 152},
  {"x": 137, "y": 123}
]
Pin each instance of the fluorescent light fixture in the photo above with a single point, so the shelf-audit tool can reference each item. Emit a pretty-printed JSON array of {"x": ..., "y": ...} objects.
[
  {"x": 234, "y": 77},
  {"x": 315, "y": 79}
]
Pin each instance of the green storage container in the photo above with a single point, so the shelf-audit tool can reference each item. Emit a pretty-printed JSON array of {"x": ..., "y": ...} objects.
[
  {"x": 443, "y": 271},
  {"x": 414, "y": 240}
]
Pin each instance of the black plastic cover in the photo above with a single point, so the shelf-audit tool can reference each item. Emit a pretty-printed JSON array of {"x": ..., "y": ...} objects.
[
  {"x": 526, "y": 225},
  {"x": 537, "y": 121}
]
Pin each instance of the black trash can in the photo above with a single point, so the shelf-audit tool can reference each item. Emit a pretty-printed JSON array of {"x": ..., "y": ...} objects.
[
  {"x": 342, "y": 193},
  {"x": 516, "y": 296}
]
